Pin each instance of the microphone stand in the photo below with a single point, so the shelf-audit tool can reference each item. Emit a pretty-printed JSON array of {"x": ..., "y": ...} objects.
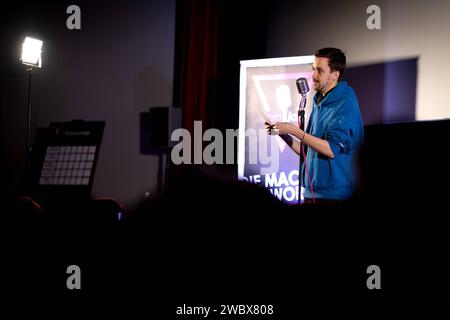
[{"x": 301, "y": 115}]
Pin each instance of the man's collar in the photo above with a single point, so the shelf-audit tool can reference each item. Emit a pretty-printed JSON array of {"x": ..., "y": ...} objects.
[
  {"x": 320, "y": 97},
  {"x": 324, "y": 95}
]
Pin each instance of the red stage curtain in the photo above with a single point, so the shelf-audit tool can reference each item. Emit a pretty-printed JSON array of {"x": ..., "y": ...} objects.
[{"x": 196, "y": 60}]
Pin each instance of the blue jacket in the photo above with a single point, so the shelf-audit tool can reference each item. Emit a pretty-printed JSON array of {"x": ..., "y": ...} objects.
[{"x": 338, "y": 120}]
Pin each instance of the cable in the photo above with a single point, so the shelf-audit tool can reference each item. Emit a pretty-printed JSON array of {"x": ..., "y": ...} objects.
[{"x": 302, "y": 152}]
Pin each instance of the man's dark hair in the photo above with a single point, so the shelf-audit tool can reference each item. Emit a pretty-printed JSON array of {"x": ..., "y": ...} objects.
[{"x": 337, "y": 60}]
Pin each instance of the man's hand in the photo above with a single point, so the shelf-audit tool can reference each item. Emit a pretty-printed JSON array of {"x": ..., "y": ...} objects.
[
  {"x": 270, "y": 128},
  {"x": 280, "y": 128},
  {"x": 273, "y": 129},
  {"x": 285, "y": 128}
]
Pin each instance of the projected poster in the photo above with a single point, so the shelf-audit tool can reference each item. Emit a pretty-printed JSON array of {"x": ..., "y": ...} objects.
[{"x": 268, "y": 92}]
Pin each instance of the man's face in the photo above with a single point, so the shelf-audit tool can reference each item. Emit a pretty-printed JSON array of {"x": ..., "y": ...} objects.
[{"x": 323, "y": 78}]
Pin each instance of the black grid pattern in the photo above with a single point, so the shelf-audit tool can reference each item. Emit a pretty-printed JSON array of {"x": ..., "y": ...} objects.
[{"x": 68, "y": 165}]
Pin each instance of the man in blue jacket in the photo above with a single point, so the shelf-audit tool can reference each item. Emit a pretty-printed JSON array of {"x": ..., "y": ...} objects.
[{"x": 334, "y": 133}]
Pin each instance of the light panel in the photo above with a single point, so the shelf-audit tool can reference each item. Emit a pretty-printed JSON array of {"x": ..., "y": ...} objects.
[{"x": 31, "y": 52}]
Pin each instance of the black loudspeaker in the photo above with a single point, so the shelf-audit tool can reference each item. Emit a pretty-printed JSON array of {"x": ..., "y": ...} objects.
[{"x": 162, "y": 121}]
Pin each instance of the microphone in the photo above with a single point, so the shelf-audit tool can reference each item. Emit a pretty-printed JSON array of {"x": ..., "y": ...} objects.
[{"x": 302, "y": 86}]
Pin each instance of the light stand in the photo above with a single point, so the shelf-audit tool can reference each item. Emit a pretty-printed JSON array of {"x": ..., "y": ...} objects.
[
  {"x": 31, "y": 58},
  {"x": 28, "y": 146}
]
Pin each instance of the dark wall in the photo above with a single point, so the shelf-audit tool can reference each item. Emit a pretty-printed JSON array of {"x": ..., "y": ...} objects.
[
  {"x": 118, "y": 65},
  {"x": 408, "y": 30},
  {"x": 386, "y": 91}
]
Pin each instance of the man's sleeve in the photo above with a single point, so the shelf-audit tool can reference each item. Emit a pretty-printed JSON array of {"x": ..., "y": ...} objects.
[{"x": 341, "y": 130}]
